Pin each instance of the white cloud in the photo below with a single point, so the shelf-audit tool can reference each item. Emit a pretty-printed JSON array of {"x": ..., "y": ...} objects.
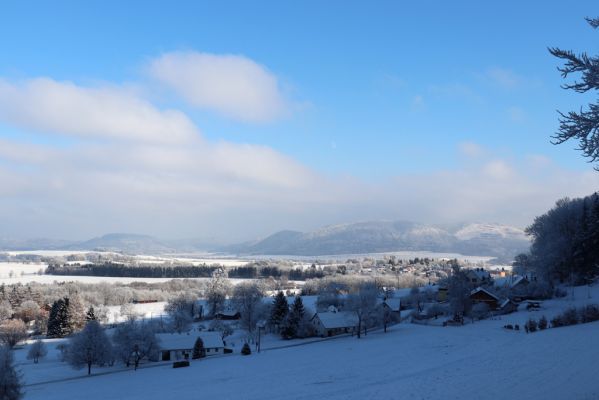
[
  {"x": 232, "y": 85},
  {"x": 471, "y": 149},
  {"x": 48, "y": 106},
  {"x": 504, "y": 78}
]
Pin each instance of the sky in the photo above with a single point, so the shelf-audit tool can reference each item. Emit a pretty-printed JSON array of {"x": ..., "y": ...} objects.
[{"x": 232, "y": 120}]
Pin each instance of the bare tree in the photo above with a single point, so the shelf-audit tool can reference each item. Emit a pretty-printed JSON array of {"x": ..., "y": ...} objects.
[
  {"x": 28, "y": 311},
  {"x": 364, "y": 302},
  {"x": 37, "y": 350},
  {"x": 246, "y": 299},
  {"x": 10, "y": 379},
  {"x": 12, "y": 332}
]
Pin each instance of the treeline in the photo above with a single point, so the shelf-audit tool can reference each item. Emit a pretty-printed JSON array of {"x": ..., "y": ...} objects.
[
  {"x": 128, "y": 271},
  {"x": 565, "y": 242},
  {"x": 297, "y": 274}
]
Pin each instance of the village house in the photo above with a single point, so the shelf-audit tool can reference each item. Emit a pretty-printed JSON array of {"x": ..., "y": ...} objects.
[
  {"x": 393, "y": 304},
  {"x": 478, "y": 276},
  {"x": 482, "y": 295},
  {"x": 175, "y": 346},
  {"x": 334, "y": 322}
]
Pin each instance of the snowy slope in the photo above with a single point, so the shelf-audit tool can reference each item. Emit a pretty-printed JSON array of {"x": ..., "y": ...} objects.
[{"x": 478, "y": 361}]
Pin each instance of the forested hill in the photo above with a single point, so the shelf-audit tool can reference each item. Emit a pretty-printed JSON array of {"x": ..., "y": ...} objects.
[{"x": 383, "y": 236}]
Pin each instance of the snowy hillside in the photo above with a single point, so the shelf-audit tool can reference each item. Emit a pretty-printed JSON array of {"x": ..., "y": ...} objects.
[
  {"x": 476, "y": 361},
  {"x": 384, "y": 236}
]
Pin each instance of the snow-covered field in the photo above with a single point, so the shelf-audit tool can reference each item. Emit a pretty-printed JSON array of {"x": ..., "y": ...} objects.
[
  {"x": 475, "y": 361},
  {"x": 13, "y": 273}
]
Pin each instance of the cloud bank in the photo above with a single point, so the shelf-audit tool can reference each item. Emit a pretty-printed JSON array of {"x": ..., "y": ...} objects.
[{"x": 129, "y": 165}]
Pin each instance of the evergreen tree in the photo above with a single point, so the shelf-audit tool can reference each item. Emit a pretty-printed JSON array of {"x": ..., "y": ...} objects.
[
  {"x": 198, "y": 349},
  {"x": 298, "y": 307},
  {"x": 90, "y": 315},
  {"x": 280, "y": 309},
  {"x": 59, "y": 321},
  {"x": 245, "y": 350},
  {"x": 584, "y": 125},
  {"x": 293, "y": 320}
]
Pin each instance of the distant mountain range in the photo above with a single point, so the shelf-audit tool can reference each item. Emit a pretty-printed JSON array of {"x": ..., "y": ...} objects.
[
  {"x": 381, "y": 236},
  {"x": 494, "y": 240}
]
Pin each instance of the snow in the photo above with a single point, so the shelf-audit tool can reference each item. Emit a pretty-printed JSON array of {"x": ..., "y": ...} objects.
[
  {"x": 28, "y": 272},
  {"x": 475, "y": 361}
]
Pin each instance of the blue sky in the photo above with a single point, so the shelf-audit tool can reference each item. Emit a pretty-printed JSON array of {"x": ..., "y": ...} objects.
[{"x": 368, "y": 95}]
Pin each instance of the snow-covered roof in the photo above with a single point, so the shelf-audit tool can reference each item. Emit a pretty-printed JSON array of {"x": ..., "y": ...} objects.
[
  {"x": 394, "y": 303},
  {"x": 504, "y": 303},
  {"x": 479, "y": 273},
  {"x": 185, "y": 341},
  {"x": 338, "y": 319},
  {"x": 510, "y": 281},
  {"x": 480, "y": 289}
]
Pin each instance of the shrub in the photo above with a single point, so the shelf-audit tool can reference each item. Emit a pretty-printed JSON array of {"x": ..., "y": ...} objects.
[
  {"x": 516, "y": 327},
  {"x": 570, "y": 316},
  {"x": 531, "y": 325},
  {"x": 559, "y": 292},
  {"x": 245, "y": 350},
  {"x": 509, "y": 326},
  {"x": 589, "y": 313},
  {"x": 543, "y": 323}
]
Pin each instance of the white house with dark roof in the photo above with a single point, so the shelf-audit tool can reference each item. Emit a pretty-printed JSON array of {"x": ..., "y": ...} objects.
[
  {"x": 179, "y": 346},
  {"x": 334, "y": 322}
]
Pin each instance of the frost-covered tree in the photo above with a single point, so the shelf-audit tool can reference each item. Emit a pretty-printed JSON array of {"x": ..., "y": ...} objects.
[
  {"x": 329, "y": 295},
  {"x": 582, "y": 126},
  {"x": 363, "y": 303},
  {"x": 28, "y": 311},
  {"x": 36, "y": 351},
  {"x": 198, "y": 349},
  {"x": 10, "y": 379},
  {"x": 182, "y": 310},
  {"x": 76, "y": 313},
  {"x": 12, "y": 332},
  {"x": 6, "y": 310},
  {"x": 217, "y": 290},
  {"x": 222, "y": 327},
  {"x": 90, "y": 347},
  {"x": 246, "y": 299},
  {"x": 135, "y": 341}
]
